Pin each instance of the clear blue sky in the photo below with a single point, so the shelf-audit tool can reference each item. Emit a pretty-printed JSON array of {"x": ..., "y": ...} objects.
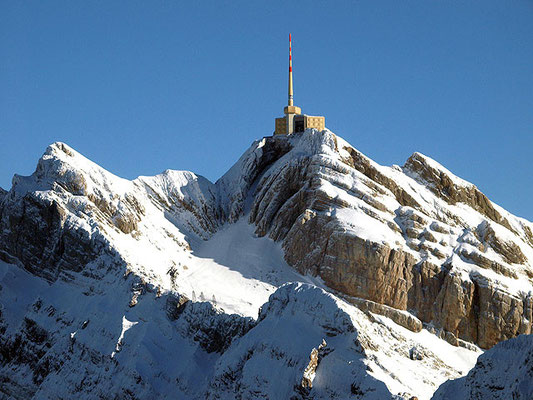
[{"x": 140, "y": 87}]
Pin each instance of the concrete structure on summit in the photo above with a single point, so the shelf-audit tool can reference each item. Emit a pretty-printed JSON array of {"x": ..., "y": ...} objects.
[{"x": 294, "y": 120}]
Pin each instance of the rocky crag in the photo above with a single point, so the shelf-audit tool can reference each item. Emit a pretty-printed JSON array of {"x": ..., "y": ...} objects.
[{"x": 414, "y": 238}]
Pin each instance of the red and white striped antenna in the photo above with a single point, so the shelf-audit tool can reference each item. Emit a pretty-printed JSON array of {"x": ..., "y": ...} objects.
[{"x": 291, "y": 98}]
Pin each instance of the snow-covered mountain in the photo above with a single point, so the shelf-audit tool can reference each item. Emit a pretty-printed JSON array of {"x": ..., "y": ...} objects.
[
  {"x": 503, "y": 372},
  {"x": 306, "y": 271}
]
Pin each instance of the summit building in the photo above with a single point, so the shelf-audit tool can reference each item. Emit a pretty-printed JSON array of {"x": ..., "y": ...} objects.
[{"x": 294, "y": 120}]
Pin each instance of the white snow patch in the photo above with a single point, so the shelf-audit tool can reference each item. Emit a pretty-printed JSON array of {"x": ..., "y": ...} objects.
[{"x": 125, "y": 326}]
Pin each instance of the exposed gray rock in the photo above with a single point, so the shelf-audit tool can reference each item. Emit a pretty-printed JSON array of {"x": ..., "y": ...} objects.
[{"x": 41, "y": 235}]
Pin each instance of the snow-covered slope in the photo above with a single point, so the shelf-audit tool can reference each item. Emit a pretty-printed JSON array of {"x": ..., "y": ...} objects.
[
  {"x": 503, "y": 372},
  {"x": 306, "y": 271},
  {"x": 85, "y": 341},
  {"x": 156, "y": 226}
]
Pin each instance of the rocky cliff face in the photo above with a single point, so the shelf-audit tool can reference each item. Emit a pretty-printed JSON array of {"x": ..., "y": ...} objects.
[
  {"x": 413, "y": 238},
  {"x": 159, "y": 280}
]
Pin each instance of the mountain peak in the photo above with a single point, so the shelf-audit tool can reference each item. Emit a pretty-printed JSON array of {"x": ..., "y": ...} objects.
[
  {"x": 60, "y": 147},
  {"x": 430, "y": 170}
]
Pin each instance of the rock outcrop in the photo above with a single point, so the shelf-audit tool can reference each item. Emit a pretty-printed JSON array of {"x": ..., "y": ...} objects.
[
  {"x": 310, "y": 371},
  {"x": 41, "y": 235}
]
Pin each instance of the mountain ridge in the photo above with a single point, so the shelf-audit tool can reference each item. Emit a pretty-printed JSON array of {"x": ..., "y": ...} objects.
[
  {"x": 310, "y": 177},
  {"x": 414, "y": 253}
]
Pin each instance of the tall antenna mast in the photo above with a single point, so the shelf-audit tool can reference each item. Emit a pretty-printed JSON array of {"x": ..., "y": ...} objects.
[
  {"x": 294, "y": 120},
  {"x": 291, "y": 99}
]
